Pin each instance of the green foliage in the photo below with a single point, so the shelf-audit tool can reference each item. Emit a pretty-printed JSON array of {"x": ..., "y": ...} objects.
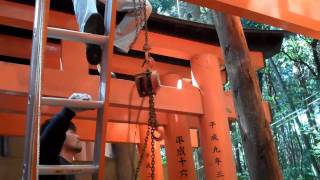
[
  {"x": 162, "y": 6},
  {"x": 163, "y": 155},
  {"x": 247, "y": 24},
  {"x": 243, "y": 176}
]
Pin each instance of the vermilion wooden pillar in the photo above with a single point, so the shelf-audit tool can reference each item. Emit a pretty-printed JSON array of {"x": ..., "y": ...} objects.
[
  {"x": 215, "y": 138},
  {"x": 145, "y": 168},
  {"x": 178, "y": 140}
]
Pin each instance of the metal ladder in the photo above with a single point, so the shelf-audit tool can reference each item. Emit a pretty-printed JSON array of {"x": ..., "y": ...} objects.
[{"x": 31, "y": 167}]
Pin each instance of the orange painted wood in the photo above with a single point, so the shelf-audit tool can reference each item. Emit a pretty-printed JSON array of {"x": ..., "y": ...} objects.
[
  {"x": 14, "y": 125},
  {"x": 116, "y": 132},
  {"x": 73, "y": 57},
  {"x": 186, "y": 49},
  {"x": 21, "y": 48},
  {"x": 194, "y": 138},
  {"x": 17, "y": 105},
  {"x": 54, "y": 81},
  {"x": 71, "y": 53},
  {"x": 299, "y": 16},
  {"x": 130, "y": 65},
  {"x": 178, "y": 144},
  {"x": 17, "y": 81},
  {"x": 214, "y": 127},
  {"x": 66, "y": 55},
  {"x": 185, "y": 101},
  {"x": 178, "y": 140},
  {"x": 18, "y": 15},
  {"x": 161, "y": 44},
  {"x": 123, "y": 93},
  {"x": 21, "y": 16}
]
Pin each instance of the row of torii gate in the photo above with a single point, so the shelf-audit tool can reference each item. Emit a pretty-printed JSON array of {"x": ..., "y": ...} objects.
[{"x": 180, "y": 110}]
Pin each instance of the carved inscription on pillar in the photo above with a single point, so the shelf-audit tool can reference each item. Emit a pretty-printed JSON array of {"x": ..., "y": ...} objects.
[
  {"x": 216, "y": 151},
  {"x": 181, "y": 156}
]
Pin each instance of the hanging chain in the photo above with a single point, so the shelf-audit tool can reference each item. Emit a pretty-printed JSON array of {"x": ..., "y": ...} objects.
[
  {"x": 144, "y": 147},
  {"x": 152, "y": 122}
]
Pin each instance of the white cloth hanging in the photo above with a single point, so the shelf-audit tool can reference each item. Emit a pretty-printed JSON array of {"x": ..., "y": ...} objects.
[{"x": 126, "y": 32}]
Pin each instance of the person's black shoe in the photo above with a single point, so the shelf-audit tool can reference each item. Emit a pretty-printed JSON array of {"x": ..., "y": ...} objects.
[{"x": 94, "y": 25}]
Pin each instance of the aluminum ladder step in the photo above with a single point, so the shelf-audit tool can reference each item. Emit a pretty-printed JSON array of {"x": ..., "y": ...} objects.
[
  {"x": 58, "y": 33},
  {"x": 67, "y": 169},
  {"x": 52, "y": 101}
]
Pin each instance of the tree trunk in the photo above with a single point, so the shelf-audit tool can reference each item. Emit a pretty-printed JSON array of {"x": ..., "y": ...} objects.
[
  {"x": 255, "y": 131},
  {"x": 316, "y": 57},
  {"x": 286, "y": 130},
  {"x": 303, "y": 83},
  {"x": 305, "y": 138}
]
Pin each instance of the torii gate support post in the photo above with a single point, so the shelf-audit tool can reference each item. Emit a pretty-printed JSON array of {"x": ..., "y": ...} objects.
[
  {"x": 258, "y": 143},
  {"x": 178, "y": 140},
  {"x": 145, "y": 168},
  {"x": 215, "y": 138}
]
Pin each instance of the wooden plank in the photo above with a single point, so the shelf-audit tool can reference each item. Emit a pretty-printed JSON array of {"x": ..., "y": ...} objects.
[
  {"x": 123, "y": 93},
  {"x": 131, "y": 65},
  {"x": 127, "y": 98},
  {"x": 21, "y": 48},
  {"x": 185, "y": 101},
  {"x": 21, "y": 16},
  {"x": 17, "y": 105},
  {"x": 69, "y": 52},
  {"x": 186, "y": 49},
  {"x": 18, "y": 15},
  {"x": 14, "y": 125},
  {"x": 298, "y": 16}
]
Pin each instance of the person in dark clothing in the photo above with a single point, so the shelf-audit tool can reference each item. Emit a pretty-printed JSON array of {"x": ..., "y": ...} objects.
[{"x": 59, "y": 141}]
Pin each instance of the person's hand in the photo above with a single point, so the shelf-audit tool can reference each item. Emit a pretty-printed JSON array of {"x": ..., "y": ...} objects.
[{"x": 80, "y": 97}]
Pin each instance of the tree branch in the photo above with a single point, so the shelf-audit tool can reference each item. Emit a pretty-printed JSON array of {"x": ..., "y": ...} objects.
[{"x": 301, "y": 62}]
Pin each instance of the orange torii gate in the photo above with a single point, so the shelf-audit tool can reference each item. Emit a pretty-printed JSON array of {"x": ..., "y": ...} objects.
[{"x": 208, "y": 109}]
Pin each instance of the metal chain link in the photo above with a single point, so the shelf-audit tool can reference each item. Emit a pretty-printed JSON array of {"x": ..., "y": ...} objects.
[
  {"x": 152, "y": 124},
  {"x": 142, "y": 153}
]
